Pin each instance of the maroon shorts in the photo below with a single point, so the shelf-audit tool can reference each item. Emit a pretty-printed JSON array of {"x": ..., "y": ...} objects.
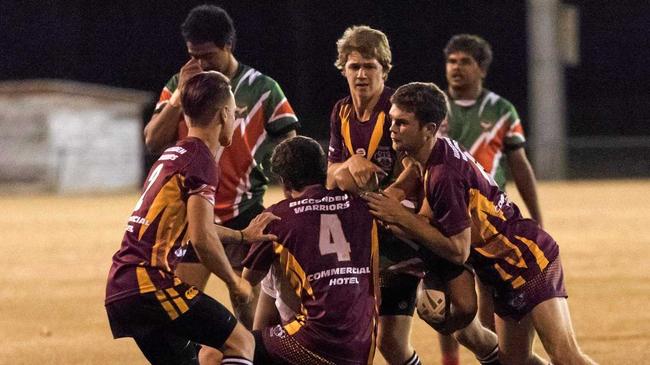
[
  {"x": 273, "y": 345},
  {"x": 517, "y": 303},
  {"x": 235, "y": 252}
]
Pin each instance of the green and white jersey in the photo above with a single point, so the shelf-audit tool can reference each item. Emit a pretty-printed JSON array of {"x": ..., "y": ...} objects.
[
  {"x": 488, "y": 127},
  {"x": 262, "y": 112}
]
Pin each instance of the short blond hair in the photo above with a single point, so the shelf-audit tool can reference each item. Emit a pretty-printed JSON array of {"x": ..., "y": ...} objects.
[{"x": 369, "y": 42}]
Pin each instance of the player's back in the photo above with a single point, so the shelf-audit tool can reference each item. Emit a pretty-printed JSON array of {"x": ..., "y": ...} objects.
[
  {"x": 154, "y": 241},
  {"x": 507, "y": 249},
  {"x": 327, "y": 245}
]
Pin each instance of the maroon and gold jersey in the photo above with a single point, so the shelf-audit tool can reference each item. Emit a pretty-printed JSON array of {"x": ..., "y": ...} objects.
[
  {"x": 350, "y": 136},
  {"x": 155, "y": 238},
  {"x": 507, "y": 250},
  {"x": 327, "y": 254}
]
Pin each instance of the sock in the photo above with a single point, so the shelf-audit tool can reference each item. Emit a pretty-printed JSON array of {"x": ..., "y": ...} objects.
[
  {"x": 235, "y": 360},
  {"x": 450, "y": 359},
  {"x": 490, "y": 359},
  {"x": 413, "y": 360}
]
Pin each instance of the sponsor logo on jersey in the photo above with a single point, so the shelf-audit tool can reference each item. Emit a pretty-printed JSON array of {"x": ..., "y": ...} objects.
[
  {"x": 360, "y": 151},
  {"x": 180, "y": 252}
]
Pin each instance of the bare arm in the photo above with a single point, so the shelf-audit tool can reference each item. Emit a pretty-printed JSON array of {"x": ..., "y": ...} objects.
[
  {"x": 455, "y": 248},
  {"x": 206, "y": 242},
  {"x": 524, "y": 177},
  {"x": 162, "y": 129},
  {"x": 254, "y": 232},
  {"x": 358, "y": 167},
  {"x": 253, "y": 276}
]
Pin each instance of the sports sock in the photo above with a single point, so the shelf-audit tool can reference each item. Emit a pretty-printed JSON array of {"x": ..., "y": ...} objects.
[
  {"x": 235, "y": 360},
  {"x": 490, "y": 359},
  {"x": 413, "y": 360}
]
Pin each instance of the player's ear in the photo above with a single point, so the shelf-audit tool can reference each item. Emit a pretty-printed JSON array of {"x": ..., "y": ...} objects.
[{"x": 431, "y": 128}]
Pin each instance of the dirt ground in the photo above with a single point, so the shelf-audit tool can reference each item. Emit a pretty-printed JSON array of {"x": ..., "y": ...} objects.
[{"x": 57, "y": 251}]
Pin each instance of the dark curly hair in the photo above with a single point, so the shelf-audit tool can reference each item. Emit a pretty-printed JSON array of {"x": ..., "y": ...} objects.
[
  {"x": 474, "y": 46},
  {"x": 209, "y": 23},
  {"x": 299, "y": 161}
]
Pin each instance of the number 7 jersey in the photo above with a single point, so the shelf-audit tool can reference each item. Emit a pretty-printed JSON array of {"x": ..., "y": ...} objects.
[
  {"x": 326, "y": 255},
  {"x": 155, "y": 238}
]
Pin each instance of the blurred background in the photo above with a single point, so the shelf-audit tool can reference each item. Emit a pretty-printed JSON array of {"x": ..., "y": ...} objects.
[{"x": 590, "y": 122}]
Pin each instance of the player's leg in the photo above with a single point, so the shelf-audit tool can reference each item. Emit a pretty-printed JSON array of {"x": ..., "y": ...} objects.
[
  {"x": 516, "y": 342},
  {"x": 552, "y": 321},
  {"x": 449, "y": 349},
  {"x": 167, "y": 349},
  {"x": 458, "y": 283},
  {"x": 209, "y": 323},
  {"x": 485, "y": 305},
  {"x": 236, "y": 253},
  {"x": 266, "y": 313},
  {"x": 398, "y": 293}
]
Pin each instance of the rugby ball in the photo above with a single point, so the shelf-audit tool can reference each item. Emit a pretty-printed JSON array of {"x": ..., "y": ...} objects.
[{"x": 431, "y": 304}]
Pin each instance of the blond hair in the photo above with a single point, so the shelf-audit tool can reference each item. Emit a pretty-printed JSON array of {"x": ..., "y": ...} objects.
[{"x": 369, "y": 42}]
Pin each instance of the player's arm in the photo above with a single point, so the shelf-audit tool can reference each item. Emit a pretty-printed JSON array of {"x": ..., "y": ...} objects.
[
  {"x": 266, "y": 313},
  {"x": 206, "y": 242},
  {"x": 413, "y": 226},
  {"x": 361, "y": 170},
  {"x": 162, "y": 129},
  {"x": 253, "y": 276},
  {"x": 408, "y": 182},
  {"x": 524, "y": 177},
  {"x": 254, "y": 232}
]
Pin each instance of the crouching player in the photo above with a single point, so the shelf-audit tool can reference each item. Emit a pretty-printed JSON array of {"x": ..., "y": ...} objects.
[
  {"x": 468, "y": 219},
  {"x": 326, "y": 253},
  {"x": 144, "y": 300}
]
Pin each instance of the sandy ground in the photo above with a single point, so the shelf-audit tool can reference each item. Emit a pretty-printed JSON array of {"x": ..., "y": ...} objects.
[{"x": 57, "y": 250}]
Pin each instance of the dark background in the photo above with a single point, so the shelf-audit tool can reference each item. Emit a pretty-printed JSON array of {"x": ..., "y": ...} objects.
[{"x": 137, "y": 44}]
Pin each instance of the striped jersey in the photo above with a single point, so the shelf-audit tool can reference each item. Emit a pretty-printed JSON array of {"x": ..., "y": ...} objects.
[
  {"x": 326, "y": 257},
  {"x": 350, "y": 136},
  {"x": 155, "y": 238},
  {"x": 262, "y": 112},
  {"x": 488, "y": 127},
  {"x": 507, "y": 250}
]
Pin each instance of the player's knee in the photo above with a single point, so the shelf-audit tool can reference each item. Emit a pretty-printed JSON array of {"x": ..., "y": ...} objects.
[
  {"x": 566, "y": 352},
  {"x": 240, "y": 343},
  {"x": 209, "y": 355}
]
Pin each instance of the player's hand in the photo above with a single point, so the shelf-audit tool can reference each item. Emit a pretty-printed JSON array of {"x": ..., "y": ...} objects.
[
  {"x": 386, "y": 208},
  {"x": 255, "y": 230},
  {"x": 191, "y": 68},
  {"x": 363, "y": 171},
  {"x": 241, "y": 290}
]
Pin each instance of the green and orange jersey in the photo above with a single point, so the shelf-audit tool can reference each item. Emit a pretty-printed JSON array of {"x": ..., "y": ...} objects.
[
  {"x": 156, "y": 233},
  {"x": 262, "y": 112},
  {"x": 487, "y": 127},
  {"x": 507, "y": 250}
]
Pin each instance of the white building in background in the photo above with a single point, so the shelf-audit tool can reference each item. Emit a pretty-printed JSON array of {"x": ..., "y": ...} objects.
[{"x": 69, "y": 137}]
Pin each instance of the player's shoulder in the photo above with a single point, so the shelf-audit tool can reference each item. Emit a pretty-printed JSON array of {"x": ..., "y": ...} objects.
[
  {"x": 253, "y": 79},
  {"x": 497, "y": 102}
]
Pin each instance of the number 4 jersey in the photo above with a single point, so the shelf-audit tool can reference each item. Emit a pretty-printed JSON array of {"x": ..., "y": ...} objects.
[
  {"x": 326, "y": 252},
  {"x": 154, "y": 240}
]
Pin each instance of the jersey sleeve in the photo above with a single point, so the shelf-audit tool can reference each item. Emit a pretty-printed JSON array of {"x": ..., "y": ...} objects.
[
  {"x": 515, "y": 135},
  {"x": 260, "y": 257},
  {"x": 447, "y": 196},
  {"x": 335, "y": 152},
  {"x": 201, "y": 178},
  {"x": 280, "y": 117},
  {"x": 166, "y": 93}
]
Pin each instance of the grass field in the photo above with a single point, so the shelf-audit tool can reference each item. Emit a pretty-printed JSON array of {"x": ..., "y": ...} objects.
[{"x": 57, "y": 251}]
